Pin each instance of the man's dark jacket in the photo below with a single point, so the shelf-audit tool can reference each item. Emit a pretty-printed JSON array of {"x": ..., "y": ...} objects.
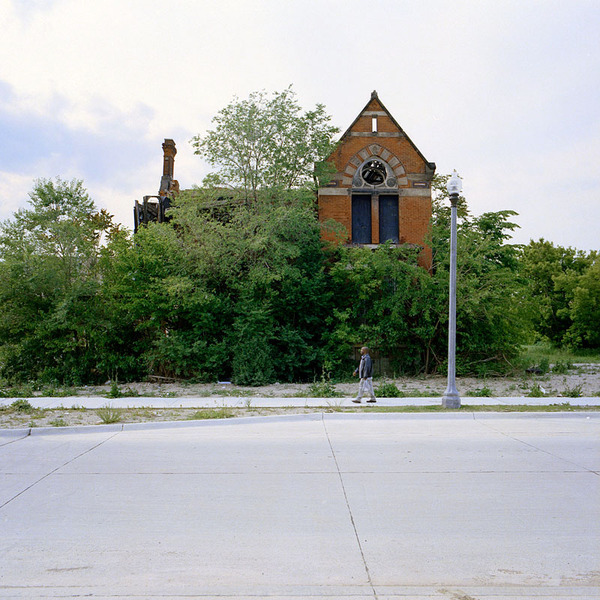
[{"x": 365, "y": 369}]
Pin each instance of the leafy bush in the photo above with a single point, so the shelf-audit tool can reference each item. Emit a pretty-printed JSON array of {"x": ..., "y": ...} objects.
[
  {"x": 389, "y": 390},
  {"x": 544, "y": 365},
  {"x": 22, "y": 405}
]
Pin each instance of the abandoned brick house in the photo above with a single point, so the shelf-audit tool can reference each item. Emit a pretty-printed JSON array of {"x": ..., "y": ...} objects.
[{"x": 380, "y": 190}]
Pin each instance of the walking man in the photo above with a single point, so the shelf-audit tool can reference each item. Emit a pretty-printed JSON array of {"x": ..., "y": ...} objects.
[{"x": 365, "y": 372}]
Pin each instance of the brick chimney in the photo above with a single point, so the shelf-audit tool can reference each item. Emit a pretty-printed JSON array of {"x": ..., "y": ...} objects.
[{"x": 167, "y": 183}]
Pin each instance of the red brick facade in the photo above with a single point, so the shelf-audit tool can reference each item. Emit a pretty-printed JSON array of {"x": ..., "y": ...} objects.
[{"x": 377, "y": 164}]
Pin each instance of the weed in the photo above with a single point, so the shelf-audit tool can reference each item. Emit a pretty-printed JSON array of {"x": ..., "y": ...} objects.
[
  {"x": 389, "y": 390},
  {"x": 22, "y": 391},
  {"x": 212, "y": 413},
  {"x": 116, "y": 392},
  {"x": 22, "y": 405},
  {"x": 59, "y": 422},
  {"x": 574, "y": 392},
  {"x": 544, "y": 365},
  {"x": 562, "y": 367},
  {"x": 414, "y": 393},
  {"x": 324, "y": 388},
  {"x": 483, "y": 392},
  {"x": 54, "y": 392},
  {"x": 536, "y": 391},
  {"x": 108, "y": 414},
  {"x": 230, "y": 392}
]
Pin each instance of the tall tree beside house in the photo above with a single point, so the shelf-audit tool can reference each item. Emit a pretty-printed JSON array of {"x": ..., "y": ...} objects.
[{"x": 267, "y": 142}]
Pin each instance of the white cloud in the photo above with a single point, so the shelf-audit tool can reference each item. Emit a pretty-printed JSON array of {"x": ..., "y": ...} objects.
[{"x": 499, "y": 91}]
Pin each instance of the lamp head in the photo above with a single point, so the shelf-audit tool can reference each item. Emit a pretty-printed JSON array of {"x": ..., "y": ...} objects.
[{"x": 454, "y": 185}]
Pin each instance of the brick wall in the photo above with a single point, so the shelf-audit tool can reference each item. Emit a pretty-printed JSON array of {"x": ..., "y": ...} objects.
[{"x": 412, "y": 172}]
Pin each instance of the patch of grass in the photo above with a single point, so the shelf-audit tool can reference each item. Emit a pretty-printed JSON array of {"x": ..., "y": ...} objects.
[
  {"x": 57, "y": 392},
  {"x": 59, "y": 422},
  {"x": 108, "y": 414},
  {"x": 212, "y": 413},
  {"x": 20, "y": 391},
  {"x": 535, "y": 353},
  {"x": 484, "y": 392},
  {"x": 414, "y": 393},
  {"x": 228, "y": 392}
]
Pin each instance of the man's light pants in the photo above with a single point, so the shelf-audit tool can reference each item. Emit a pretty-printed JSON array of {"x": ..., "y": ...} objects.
[{"x": 365, "y": 387}]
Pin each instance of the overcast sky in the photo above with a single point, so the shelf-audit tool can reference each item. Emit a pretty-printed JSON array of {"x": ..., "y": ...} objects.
[{"x": 505, "y": 92}]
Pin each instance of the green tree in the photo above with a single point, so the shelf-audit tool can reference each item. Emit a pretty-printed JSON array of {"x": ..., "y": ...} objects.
[
  {"x": 264, "y": 263},
  {"x": 585, "y": 309},
  {"x": 553, "y": 273},
  {"x": 49, "y": 282},
  {"x": 267, "y": 142},
  {"x": 493, "y": 310}
]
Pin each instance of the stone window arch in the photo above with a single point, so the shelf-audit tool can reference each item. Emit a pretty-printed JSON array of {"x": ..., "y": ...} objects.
[
  {"x": 375, "y": 152},
  {"x": 376, "y": 178},
  {"x": 374, "y": 173}
]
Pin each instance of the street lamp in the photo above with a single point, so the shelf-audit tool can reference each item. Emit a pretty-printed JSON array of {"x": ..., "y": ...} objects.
[{"x": 451, "y": 398}]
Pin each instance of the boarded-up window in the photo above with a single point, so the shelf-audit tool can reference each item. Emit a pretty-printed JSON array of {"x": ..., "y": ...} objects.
[
  {"x": 388, "y": 219},
  {"x": 361, "y": 218}
]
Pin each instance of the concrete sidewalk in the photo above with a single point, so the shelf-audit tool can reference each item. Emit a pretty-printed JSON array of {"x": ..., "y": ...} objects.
[
  {"x": 267, "y": 402},
  {"x": 351, "y": 506}
]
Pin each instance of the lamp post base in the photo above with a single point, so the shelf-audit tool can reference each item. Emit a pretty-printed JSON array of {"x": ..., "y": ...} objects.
[{"x": 451, "y": 400}]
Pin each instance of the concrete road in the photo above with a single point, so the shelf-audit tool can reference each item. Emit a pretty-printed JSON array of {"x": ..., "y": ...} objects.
[{"x": 449, "y": 506}]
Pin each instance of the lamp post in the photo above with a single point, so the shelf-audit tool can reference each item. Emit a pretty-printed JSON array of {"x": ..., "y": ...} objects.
[{"x": 451, "y": 398}]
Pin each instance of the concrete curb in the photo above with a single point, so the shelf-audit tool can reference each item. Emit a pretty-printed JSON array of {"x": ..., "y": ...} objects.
[
  {"x": 7, "y": 436},
  {"x": 11, "y": 435}
]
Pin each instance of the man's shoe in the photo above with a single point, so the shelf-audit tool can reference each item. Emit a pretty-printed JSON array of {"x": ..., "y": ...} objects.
[
  {"x": 356, "y": 401},
  {"x": 373, "y": 400}
]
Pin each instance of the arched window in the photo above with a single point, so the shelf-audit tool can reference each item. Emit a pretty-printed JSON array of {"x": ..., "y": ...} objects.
[{"x": 375, "y": 203}]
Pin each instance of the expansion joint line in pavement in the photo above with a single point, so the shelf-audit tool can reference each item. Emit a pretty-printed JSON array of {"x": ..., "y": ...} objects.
[
  {"x": 57, "y": 469},
  {"x": 337, "y": 466},
  {"x": 516, "y": 439}
]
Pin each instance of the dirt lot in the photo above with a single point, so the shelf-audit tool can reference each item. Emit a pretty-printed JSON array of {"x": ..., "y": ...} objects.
[
  {"x": 584, "y": 376},
  {"x": 583, "y": 381}
]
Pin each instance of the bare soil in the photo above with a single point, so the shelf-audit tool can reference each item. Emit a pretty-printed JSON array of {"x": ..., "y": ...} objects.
[{"x": 585, "y": 377}]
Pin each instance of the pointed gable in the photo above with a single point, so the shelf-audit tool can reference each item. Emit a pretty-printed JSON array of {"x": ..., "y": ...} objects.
[{"x": 381, "y": 188}]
